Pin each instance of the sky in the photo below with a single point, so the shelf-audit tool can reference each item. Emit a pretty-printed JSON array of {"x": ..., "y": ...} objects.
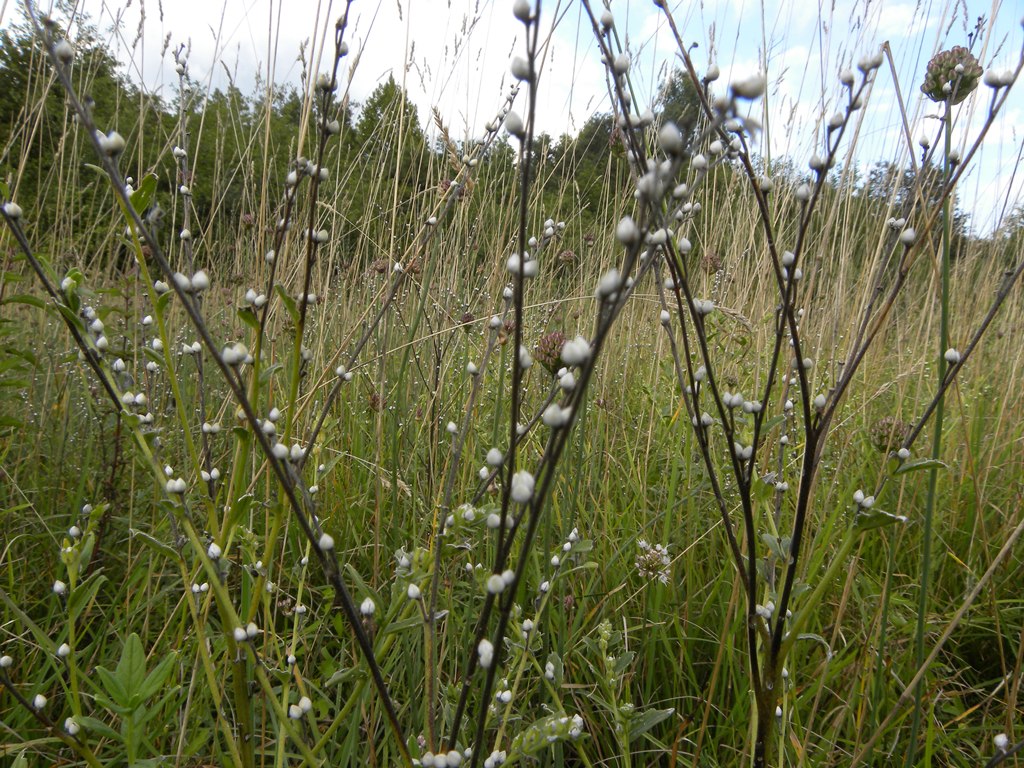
[{"x": 454, "y": 55}]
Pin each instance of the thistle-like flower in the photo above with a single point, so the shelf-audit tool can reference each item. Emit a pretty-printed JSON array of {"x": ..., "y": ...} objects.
[
  {"x": 652, "y": 561},
  {"x": 956, "y": 68},
  {"x": 549, "y": 350}
]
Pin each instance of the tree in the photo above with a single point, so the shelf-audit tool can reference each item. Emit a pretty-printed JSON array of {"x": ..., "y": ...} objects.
[{"x": 679, "y": 102}]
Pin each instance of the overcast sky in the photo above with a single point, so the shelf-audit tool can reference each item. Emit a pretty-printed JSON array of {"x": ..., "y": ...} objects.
[{"x": 454, "y": 54}]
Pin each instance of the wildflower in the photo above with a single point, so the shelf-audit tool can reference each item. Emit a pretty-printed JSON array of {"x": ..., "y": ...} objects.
[
  {"x": 71, "y": 726},
  {"x": 951, "y": 75},
  {"x": 64, "y": 650},
  {"x": 1002, "y": 742},
  {"x": 38, "y": 702},
  {"x": 367, "y": 607},
  {"x": 413, "y": 592},
  {"x": 548, "y": 350},
  {"x": 12, "y": 210},
  {"x": 952, "y": 356},
  {"x": 60, "y": 588},
  {"x": 652, "y": 561},
  {"x": 326, "y": 542}
]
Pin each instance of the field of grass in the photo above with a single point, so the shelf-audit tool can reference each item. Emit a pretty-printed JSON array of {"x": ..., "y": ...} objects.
[{"x": 319, "y": 548}]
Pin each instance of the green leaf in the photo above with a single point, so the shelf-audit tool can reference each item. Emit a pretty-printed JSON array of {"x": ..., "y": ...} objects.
[
  {"x": 155, "y": 679},
  {"x": 642, "y": 722},
  {"x": 25, "y": 298},
  {"x": 920, "y": 464},
  {"x": 289, "y": 303},
  {"x": 247, "y": 316},
  {"x": 269, "y": 371},
  {"x": 115, "y": 690},
  {"x": 155, "y": 544},
  {"x": 131, "y": 669},
  {"x": 163, "y": 300},
  {"x": 622, "y": 663},
  {"x": 94, "y": 725},
  {"x": 84, "y": 594},
  {"x": 875, "y": 518},
  {"x": 143, "y": 196},
  {"x": 404, "y": 624}
]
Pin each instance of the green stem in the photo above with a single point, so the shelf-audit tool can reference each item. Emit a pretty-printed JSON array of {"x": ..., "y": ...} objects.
[{"x": 933, "y": 475}]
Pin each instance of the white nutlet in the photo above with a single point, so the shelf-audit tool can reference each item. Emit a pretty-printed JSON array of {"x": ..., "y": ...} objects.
[
  {"x": 485, "y": 650},
  {"x": 671, "y": 138},
  {"x": 627, "y": 232},
  {"x": 522, "y": 487},
  {"x": 576, "y": 351},
  {"x": 750, "y": 87},
  {"x": 111, "y": 144},
  {"x": 514, "y": 125},
  {"x": 520, "y": 68},
  {"x": 64, "y": 52},
  {"x": 521, "y": 10}
]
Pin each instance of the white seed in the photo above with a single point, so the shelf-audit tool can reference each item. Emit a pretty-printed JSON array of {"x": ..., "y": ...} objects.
[
  {"x": 64, "y": 52},
  {"x": 495, "y": 584},
  {"x": 750, "y": 87}
]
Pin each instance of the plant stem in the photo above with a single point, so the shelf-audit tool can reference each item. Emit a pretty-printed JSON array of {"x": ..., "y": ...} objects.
[{"x": 933, "y": 475}]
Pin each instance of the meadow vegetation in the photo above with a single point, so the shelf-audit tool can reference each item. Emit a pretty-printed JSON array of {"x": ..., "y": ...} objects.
[{"x": 331, "y": 438}]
